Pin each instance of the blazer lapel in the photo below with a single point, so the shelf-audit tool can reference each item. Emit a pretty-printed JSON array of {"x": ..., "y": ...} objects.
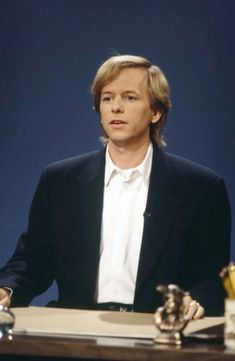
[
  {"x": 160, "y": 213},
  {"x": 92, "y": 182},
  {"x": 89, "y": 201}
]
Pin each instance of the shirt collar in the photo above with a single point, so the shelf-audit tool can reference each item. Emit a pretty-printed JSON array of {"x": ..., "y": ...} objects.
[{"x": 143, "y": 168}]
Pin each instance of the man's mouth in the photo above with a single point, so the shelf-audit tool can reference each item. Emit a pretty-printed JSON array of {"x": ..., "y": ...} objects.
[{"x": 117, "y": 121}]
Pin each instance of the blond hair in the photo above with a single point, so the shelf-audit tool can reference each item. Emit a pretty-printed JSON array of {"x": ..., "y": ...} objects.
[{"x": 158, "y": 88}]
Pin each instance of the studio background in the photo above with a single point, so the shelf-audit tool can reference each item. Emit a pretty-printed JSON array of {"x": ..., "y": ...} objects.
[{"x": 49, "y": 53}]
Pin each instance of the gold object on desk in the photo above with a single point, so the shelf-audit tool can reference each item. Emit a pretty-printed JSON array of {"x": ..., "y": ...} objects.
[
  {"x": 231, "y": 274},
  {"x": 228, "y": 279}
]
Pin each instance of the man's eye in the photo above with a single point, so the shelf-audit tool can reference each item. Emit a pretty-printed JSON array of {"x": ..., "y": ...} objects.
[
  {"x": 106, "y": 99},
  {"x": 131, "y": 97}
]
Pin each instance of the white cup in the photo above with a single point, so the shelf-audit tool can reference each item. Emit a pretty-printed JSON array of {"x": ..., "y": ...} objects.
[{"x": 229, "y": 326}]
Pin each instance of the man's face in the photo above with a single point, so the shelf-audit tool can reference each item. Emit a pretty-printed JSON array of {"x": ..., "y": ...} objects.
[{"x": 125, "y": 108}]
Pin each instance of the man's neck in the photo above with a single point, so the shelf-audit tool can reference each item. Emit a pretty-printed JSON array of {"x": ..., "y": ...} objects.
[{"x": 126, "y": 157}]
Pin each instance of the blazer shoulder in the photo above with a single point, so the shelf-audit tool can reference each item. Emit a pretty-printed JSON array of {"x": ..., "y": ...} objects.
[
  {"x": 187, "y": 169},
  {"x": 194, "y": 181},
  {"x": 73, "y": 166}
]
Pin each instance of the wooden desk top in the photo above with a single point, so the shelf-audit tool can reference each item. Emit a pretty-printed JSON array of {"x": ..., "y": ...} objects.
[{"x": 104, "y": 348}]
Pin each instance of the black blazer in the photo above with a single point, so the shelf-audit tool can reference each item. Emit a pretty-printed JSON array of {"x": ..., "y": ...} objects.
[{"x": 186, "y": 236}]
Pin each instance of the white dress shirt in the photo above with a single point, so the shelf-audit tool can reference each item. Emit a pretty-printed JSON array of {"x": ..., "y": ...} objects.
[{"x": 125, "y": 196}]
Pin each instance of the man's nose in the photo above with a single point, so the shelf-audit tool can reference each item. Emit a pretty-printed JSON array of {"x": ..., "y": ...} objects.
[{"x": 117, "y": 105}]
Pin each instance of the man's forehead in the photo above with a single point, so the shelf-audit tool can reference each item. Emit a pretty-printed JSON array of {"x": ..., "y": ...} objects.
[{"x": 129, "y": 79}]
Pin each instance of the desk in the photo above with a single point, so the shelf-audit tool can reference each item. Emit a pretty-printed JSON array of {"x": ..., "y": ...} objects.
[
  {"x": 44, "y": 348},
  {"x": 96, "y": 348}
]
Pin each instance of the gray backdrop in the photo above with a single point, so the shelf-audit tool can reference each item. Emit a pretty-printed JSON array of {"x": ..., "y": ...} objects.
[{"x": 49, "y": 52}]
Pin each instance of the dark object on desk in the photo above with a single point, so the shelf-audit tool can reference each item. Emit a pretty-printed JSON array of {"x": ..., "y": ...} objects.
[{"x": 170, "y": 319}]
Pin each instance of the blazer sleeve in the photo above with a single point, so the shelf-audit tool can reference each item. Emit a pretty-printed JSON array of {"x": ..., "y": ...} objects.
[
  {"x": 29, "y": 272},
  {"x": 211, "y": 249}
]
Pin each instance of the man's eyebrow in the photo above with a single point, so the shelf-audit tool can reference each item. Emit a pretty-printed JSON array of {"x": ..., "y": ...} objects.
[
  {"x": 106, "y": 92},
  {"x": 124, "y": 92},
  {"x": 130, "y": 91}
]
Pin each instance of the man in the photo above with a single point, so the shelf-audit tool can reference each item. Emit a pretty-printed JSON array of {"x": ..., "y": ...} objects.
[{"x": 111, "y": 225}]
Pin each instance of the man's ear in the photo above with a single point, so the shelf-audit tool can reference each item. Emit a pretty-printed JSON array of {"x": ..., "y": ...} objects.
[{"x": 156, "y": 116}]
